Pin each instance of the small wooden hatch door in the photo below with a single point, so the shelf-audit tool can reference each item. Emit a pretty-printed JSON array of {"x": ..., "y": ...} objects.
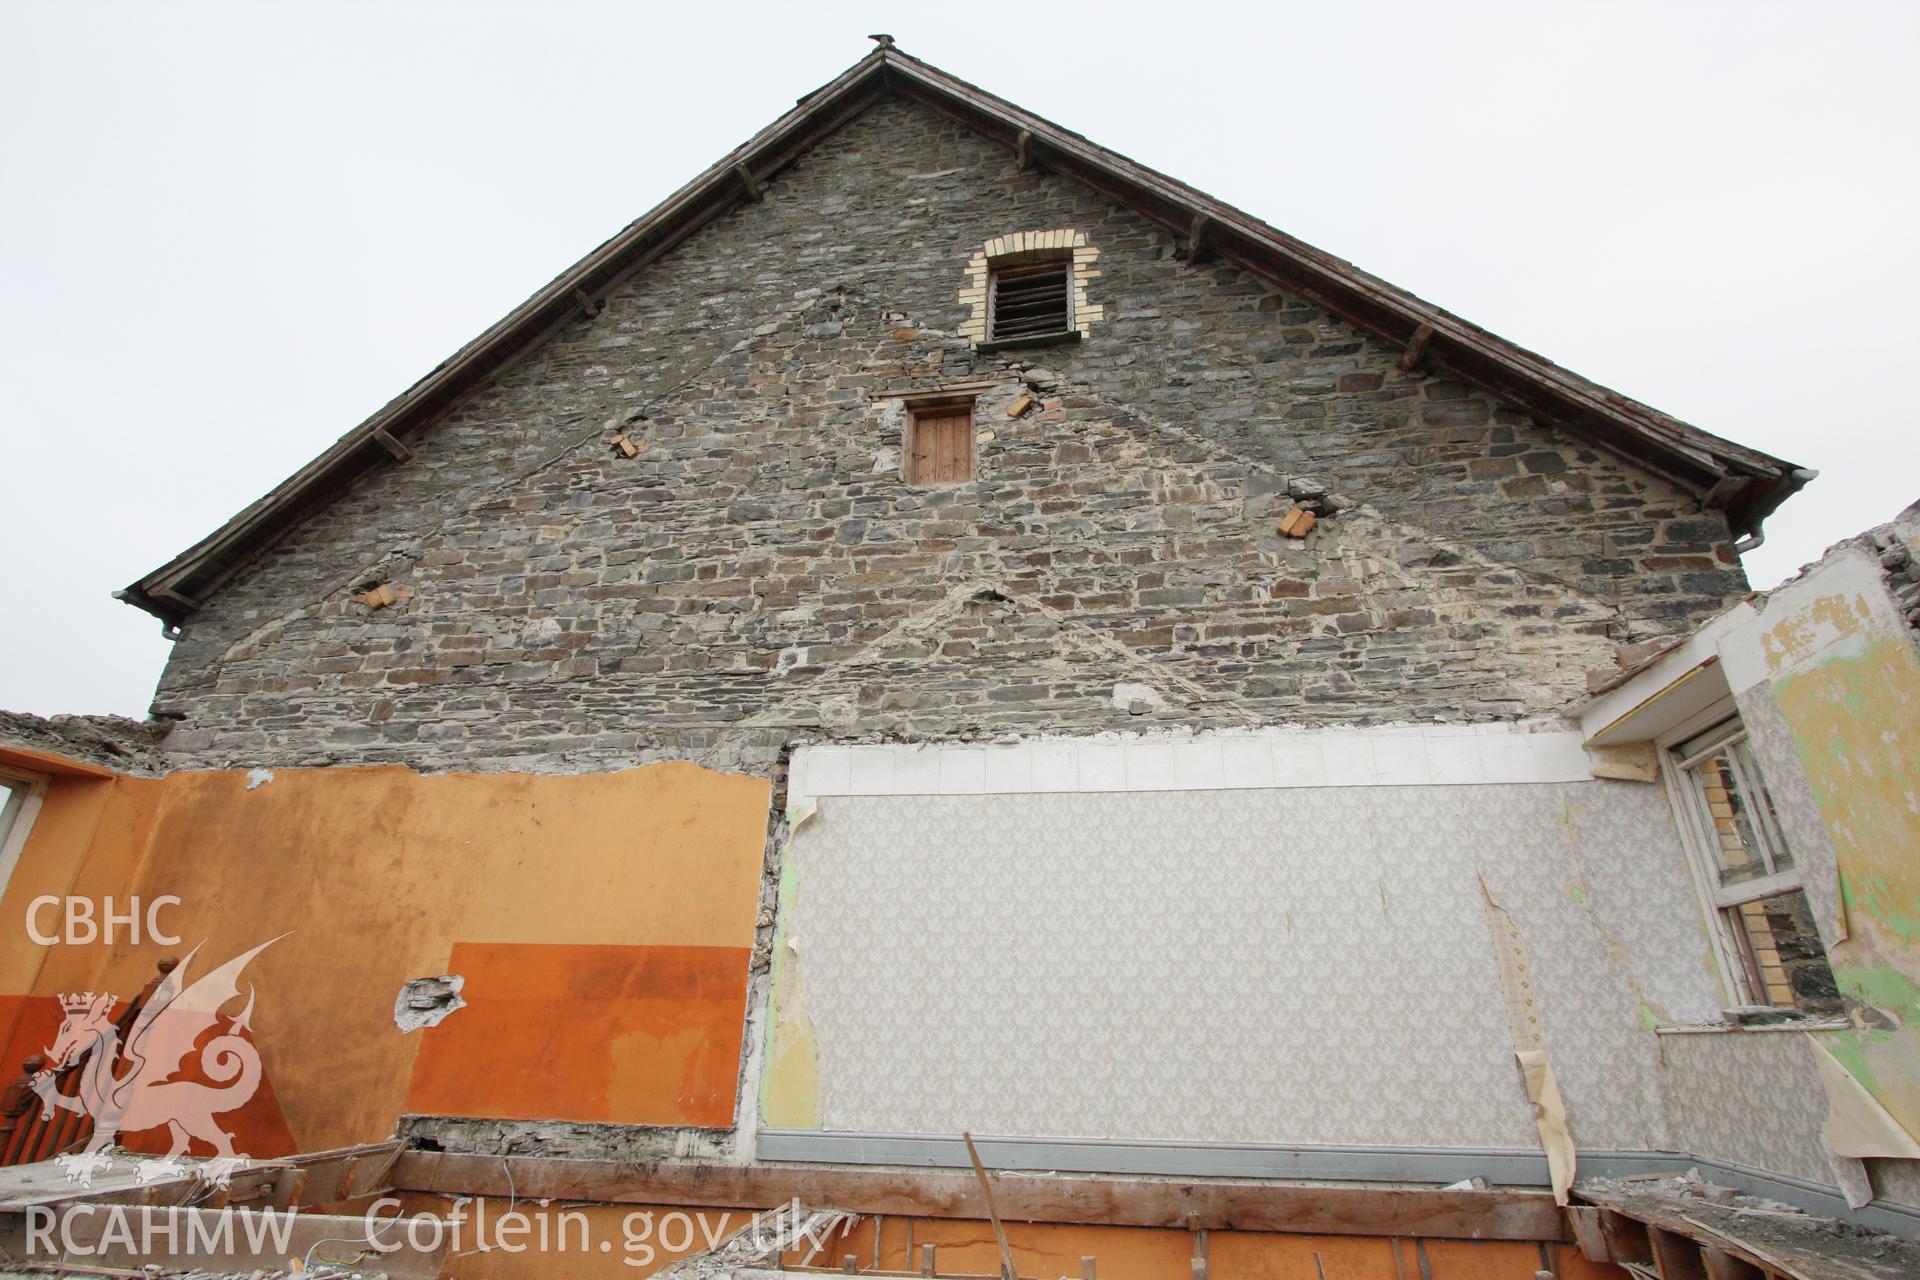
[{"x": 940, "y": 443}]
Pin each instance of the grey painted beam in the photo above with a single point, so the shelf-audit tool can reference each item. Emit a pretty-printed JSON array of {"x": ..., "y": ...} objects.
[{"x": 1511, "y": 1167}]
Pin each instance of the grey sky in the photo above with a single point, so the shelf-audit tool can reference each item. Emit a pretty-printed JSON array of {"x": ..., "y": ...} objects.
[{"x": 229, "y": 232}]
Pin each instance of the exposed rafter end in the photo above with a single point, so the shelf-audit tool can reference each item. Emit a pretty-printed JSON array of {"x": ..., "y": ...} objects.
[
  {"x": 388, "y": 441},
  {"x": 748, "y": 183},
  {"x": 587, "y": 304},
  {"x": 1416, "y": 347},
  {"x": 1199, "y": 232},
  {"x": 172, "y": 597},
  {"x": 1023, "y": 152}
]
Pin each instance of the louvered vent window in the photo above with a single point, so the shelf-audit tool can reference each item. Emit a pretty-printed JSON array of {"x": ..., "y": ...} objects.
[{"x": 1030, "y": 300}]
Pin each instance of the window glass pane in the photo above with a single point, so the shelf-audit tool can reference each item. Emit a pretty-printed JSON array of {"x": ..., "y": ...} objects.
[
  {"x": 1738, "y": 822},
  {"x": 12, "y": 794},
  {"x": 1784, "y": 948},
  {"x": 1753, "y": 785}
]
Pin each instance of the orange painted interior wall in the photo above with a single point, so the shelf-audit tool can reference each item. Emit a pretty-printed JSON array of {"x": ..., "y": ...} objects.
[
  {"x": 607, "y": 921},
  {"x": 85, "y": 841},
  {"x": 1040, "y": 1250}
]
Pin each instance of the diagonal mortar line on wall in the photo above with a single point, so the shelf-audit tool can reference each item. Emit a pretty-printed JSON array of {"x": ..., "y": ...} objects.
[
  {"x": 1126, "y": 414},
  {"x": 1123, "y": 416},
  {"x": 1594, "y": 608},
  {"x": 396, "y": 560},
  {"x": 481, "y": 495},
  {"x": 913, "y": 624},
  {"x": 1598, "y": 608},
  {"x": 485, "y": 494},
  {"x": 956, "y": 599},
  {"x": 1130, "y": 657}
]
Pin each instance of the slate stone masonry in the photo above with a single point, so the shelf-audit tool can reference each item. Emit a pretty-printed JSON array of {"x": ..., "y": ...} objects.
[{"x": 760, "y": 571}]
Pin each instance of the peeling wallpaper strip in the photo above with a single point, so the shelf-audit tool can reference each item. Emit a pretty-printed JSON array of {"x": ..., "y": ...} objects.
[{"x": 1856, "y": 1124}]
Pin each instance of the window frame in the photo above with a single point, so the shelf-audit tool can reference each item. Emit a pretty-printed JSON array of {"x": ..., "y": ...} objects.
[
  {"x": 17, "y": 814},
  {"x": 1713, "y": 729},
  {"x": 1727, "y": 734}
]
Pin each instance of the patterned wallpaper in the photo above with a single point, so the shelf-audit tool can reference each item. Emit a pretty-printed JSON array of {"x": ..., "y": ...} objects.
[
  {"x": 1747, "y": 1098},
  {"x": 1306, "y": 965}
]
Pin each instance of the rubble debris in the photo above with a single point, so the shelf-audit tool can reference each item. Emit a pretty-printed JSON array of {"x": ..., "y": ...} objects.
[
  {"x": 564, "y": 1139},
  {"x": 1902, "y": 572},
  {"x": 1682, "y": 1212},
  {"x": 112, "y": 742},
  {"x": 426, "y": 1002}
]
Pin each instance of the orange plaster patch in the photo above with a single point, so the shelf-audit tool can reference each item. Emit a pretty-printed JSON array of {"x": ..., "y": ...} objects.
[
  {"x": 31, "y": 1022},
  {"x": 627, "y": 1035}
]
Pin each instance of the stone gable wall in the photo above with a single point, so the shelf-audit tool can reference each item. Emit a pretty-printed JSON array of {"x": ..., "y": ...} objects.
[{"x": 760, "y": 571}]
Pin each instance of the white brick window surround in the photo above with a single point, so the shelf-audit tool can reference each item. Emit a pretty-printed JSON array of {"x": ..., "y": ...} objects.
[{"x": 1023, "y": 250}]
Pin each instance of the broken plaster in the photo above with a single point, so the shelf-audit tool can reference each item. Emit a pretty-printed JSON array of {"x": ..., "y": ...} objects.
[
  {"x": 1136, "y": 699},
  {"x": 426, "y": 1002}
]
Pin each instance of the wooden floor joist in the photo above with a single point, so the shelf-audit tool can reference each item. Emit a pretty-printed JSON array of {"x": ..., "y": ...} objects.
[{"x": 1055, "y": 1198}]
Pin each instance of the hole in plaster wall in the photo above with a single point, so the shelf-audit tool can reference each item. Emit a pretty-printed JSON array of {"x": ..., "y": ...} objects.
[{"x": 425, "y": 1002}]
